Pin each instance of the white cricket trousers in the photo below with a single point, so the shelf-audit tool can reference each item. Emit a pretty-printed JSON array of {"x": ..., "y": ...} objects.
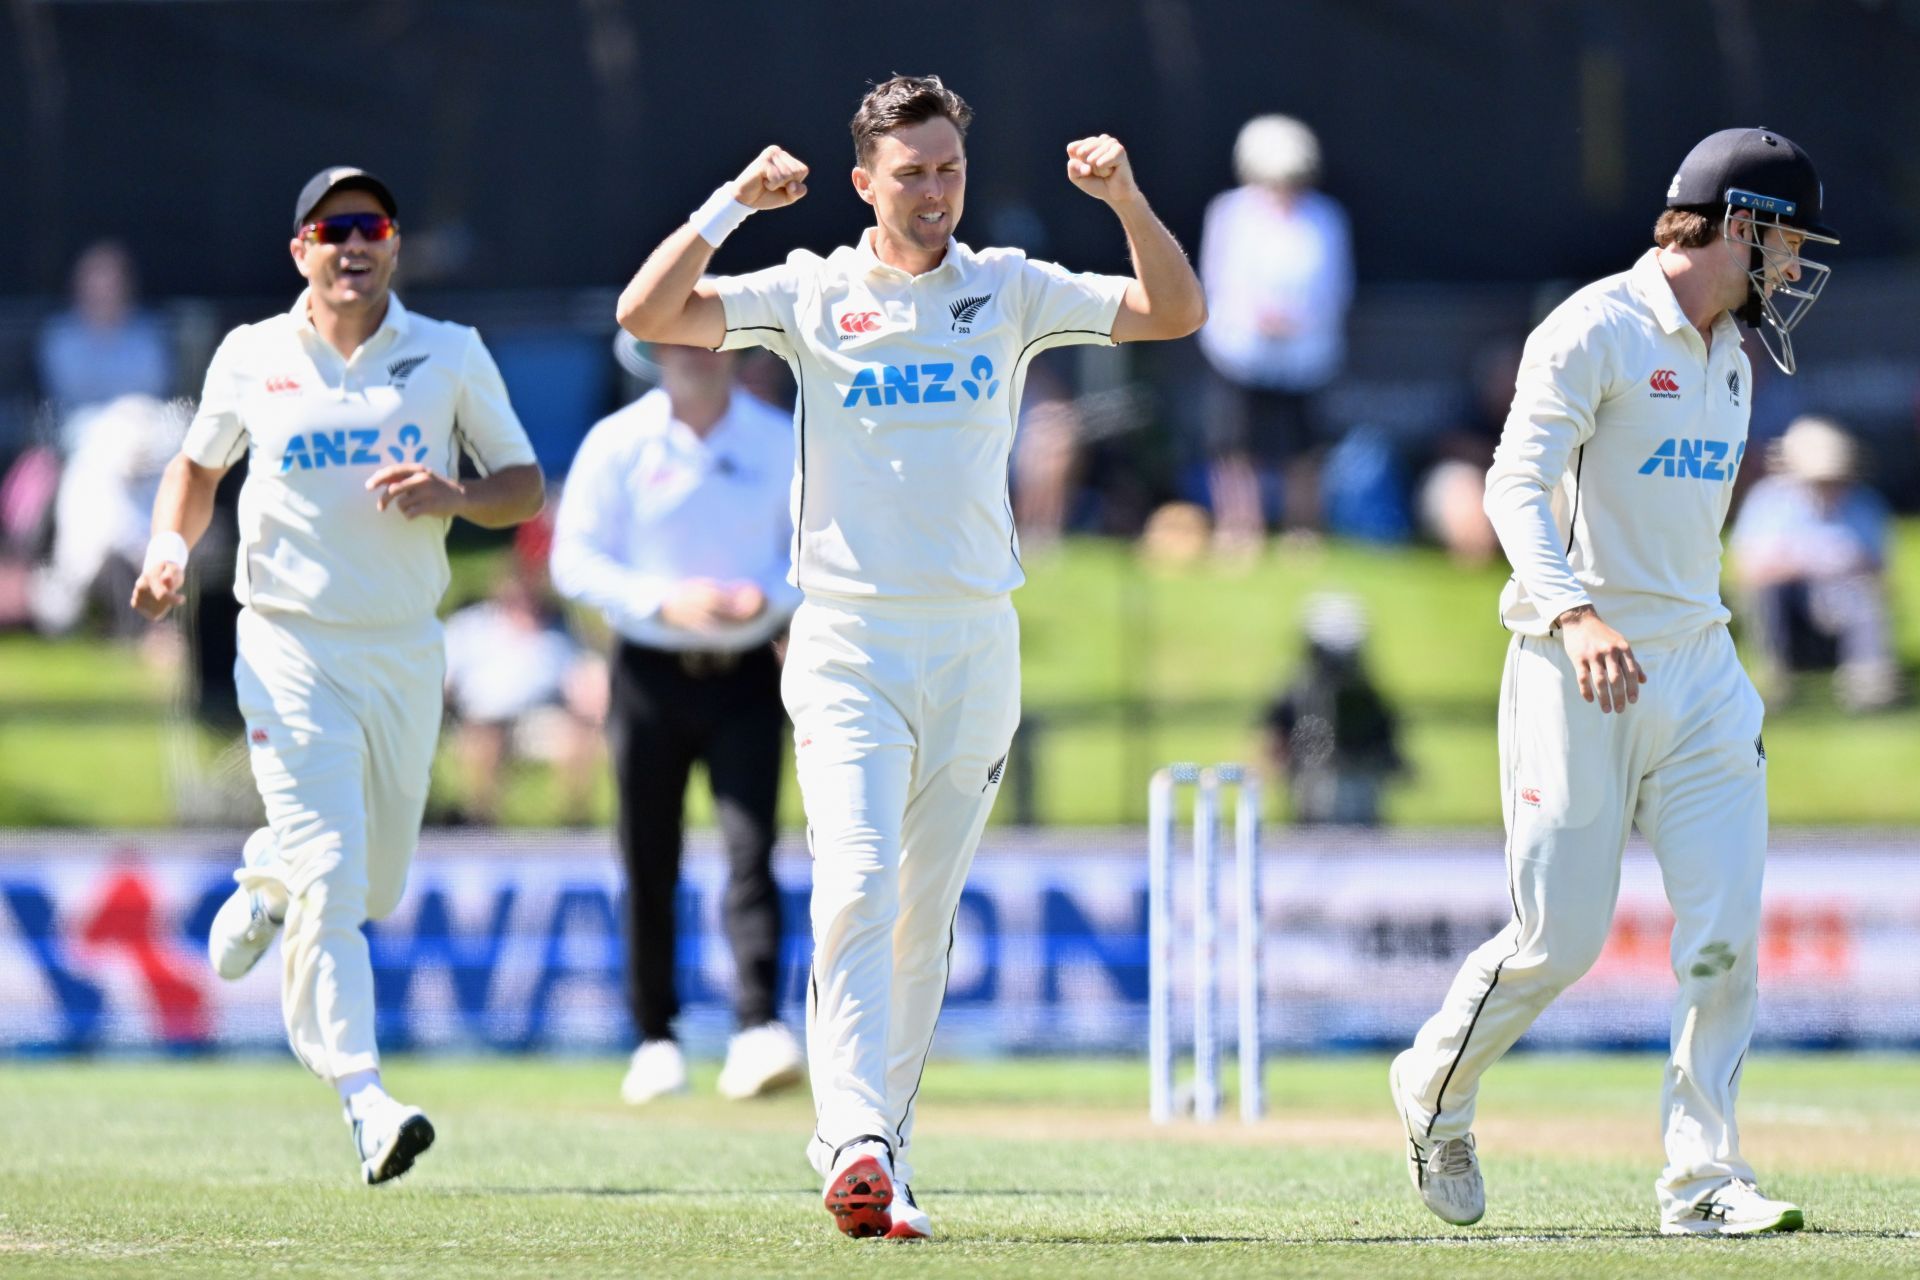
[
  {"x": 342, "y": 723},
  {"x": 1685, "y": 764},
  {"x": 902, "y": 718}
]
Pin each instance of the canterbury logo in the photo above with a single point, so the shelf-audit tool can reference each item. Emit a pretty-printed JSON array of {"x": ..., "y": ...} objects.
[
  {"x": 276, "y": 386},
  {"x": 1663, "y": 380},
  {"x": 966, "y": 310},
  {"x": 400, "y": 369},
  {"x": 860, "y": 322}
]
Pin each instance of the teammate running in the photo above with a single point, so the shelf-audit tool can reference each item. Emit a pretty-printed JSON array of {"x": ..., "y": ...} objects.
[
  {"x": 349, "y": 410},
  {"x": 903, "y": 676},
  {"x": 1608, "y": 492}
]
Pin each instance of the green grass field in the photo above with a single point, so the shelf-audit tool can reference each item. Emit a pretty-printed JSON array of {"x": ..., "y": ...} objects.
[
  {"x": 1041, "y": 1167},
  {"x": 1126, "y": 667}
]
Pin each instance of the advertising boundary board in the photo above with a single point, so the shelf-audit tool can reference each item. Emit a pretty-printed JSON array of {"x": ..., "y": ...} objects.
[{"x": 513, "y": 943}]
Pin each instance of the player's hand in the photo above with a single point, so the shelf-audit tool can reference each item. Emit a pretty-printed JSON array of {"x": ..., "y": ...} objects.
[
  {"x": 418, "y": 490},
  {"x": 1099, "y": 167},
  {"x": 773, "y": 180},
  {"x": 160, "y": 590},
  {"x": 1602, "y": 659},
  {"x": 697, "y": 604}
]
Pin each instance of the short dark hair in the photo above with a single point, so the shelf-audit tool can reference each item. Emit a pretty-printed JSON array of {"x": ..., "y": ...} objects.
[
  {"x": 905, "y": 100},
  {"x": 1688, "y": 227}
]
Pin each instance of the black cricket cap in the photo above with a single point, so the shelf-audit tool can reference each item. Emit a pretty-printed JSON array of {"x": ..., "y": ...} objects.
[
  {"x": 1759, "y": 161},
  {"x": 340, "y": 177}
]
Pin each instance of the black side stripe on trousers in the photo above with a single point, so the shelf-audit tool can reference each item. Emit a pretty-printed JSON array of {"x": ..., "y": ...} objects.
[
  {"x": 899, "y": 1129},
  {"x": 1513, "y": 896}
]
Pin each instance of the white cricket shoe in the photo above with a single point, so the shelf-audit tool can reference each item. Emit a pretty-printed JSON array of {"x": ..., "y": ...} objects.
[
  {"x": 860, "y": 1190},
  {"x": 656, "y": 1069},
  {"x": 910, "y": 1221},
  {"x": 1737, "y": 1208},
  {"x": 762, "y": 1060},
  {"x": 245, "y": 926},
  {"x": 1445, "y": 1173},
  {"x": 389, "y": 1138}
]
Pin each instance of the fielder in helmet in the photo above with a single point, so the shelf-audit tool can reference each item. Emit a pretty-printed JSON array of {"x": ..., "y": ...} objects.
[{"x": 1764, "y": 193}]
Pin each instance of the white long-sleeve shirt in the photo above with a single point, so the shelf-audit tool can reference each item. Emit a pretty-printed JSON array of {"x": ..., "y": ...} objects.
[
  {"x": 909, "y": 394},
  {"x": 1617, "y": 462},
  {"x": 1261, "y": 259},
  {"x": 649, "y": 503},
  {"x": 315, "y": 425}
]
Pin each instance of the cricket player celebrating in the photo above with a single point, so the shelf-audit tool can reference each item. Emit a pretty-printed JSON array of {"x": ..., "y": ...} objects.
[
  {"x": 1623, "y": 702},
  {"x": 350, "y": 410},
  {"x": 902, "y": 677}
]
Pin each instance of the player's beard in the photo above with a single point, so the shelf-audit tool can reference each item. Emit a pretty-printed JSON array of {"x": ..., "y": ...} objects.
[{"x": 1753, "y": 309}]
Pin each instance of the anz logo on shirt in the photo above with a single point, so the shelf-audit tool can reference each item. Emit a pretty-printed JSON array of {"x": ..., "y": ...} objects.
[
  {"x": 931, "y": 383},
  {"x": 354, "y": 447},
  {"x": 1694, "y": 460}
]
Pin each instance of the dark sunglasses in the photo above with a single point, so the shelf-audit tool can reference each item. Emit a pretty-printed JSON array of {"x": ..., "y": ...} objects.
[{"x": 340, "y": 228}]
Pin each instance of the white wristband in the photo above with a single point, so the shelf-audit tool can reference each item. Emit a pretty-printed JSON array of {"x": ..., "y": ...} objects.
[
  {"x": 167, "y": 547},
  {"x": 718, "y": 217}
]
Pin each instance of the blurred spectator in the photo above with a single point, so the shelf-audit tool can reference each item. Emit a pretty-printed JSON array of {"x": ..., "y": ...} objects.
[
  {"x": 1331, "y": 734},
  {"x": 1276, "y": 261},
  {"x": 1810, "y": 554},
  {"x": 101, "y": 510},
  {"x": 1046, "y": 458},
  {"x": 28, "y": 488},
  {"x": 103, "y": 347},
  {"x": 1175, "y": 535},
  {"x": 519, "y": 685},
  {"x": 1452, "y": 464}
]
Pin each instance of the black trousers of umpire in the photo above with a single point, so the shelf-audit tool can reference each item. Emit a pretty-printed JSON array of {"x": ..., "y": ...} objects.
[{"x": 669, "y": 710}]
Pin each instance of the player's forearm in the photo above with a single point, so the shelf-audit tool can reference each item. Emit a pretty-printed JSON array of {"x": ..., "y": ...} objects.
[
  {"x": 1522, "y": 518},
  {"x": 184, "y": 503},
  {"x": 1166, "y": 292},
  {"x": 654, "y": 307},
  {"x": 507, "y": 497}
]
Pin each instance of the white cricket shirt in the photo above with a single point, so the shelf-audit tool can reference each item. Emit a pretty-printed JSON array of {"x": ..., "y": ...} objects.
[
  {"x": 314, "y": 426},
  {"x": 649, "y": 503},
  {"x": 909, "y": 391},
  {"x": 1617, "y": 462}
]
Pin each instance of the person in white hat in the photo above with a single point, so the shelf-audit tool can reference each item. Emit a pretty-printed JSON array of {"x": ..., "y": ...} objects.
[
  {"x": 1810, "y": 553},
  {"x": 1277, "y": 263}
]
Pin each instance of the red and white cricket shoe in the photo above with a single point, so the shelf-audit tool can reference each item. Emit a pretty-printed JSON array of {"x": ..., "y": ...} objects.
[
  {"x": 859, "y": 1191},
  {"x": 910, "y": 1221}
]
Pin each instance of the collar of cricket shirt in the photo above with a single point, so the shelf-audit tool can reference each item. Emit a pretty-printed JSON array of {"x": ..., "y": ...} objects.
[
  {"x": 957, "y": 258},
  {"x": 1651, "y": 283},
  {"x": 397, "y": 322}
]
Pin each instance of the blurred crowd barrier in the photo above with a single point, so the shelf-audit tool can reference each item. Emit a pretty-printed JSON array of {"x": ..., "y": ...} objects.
[{"x": 511, "y": 943}]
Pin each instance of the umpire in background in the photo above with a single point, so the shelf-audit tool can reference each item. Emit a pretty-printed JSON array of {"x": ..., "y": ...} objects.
[{"x": 674, "y": 525}]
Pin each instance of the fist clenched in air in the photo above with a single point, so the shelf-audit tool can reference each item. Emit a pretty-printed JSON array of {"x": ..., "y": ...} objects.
[
  {"x": 1099, "y": 167},
  {"x": 774, "y": 179}
]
